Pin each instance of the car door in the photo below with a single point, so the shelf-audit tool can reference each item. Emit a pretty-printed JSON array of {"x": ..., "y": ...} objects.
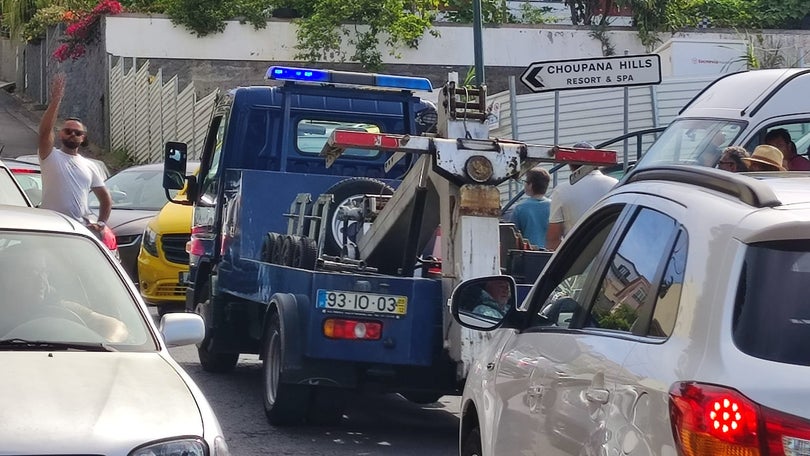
[
  {"x": 532, "y": 354},
  {"x": 582, "y": 330}
]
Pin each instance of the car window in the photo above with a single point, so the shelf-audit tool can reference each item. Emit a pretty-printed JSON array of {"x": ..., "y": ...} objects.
[
  {"x": 799, "y": 132},
  {"x": 31, "y": 183},
  {"x": 626, "y": 291},
  {"x": 63, "y": 288},
  {"x": 311, "y": 135},
  {"x": 771, "y": 315},
  {"x": 692, "y": 141},
  {"x": 669, "y": 291},
  {"x": 10, "y": 192},
  {"x": 137, "y": 189},
  {"x": 569, "y": 276},
  {"x": 211, "y": 178}
]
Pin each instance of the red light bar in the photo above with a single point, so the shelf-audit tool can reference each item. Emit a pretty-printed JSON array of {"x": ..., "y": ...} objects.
[
  {"x": 364, "y": 140},
  {"x": 24, "y": 171},
  {"x": 587, "y": 156}
]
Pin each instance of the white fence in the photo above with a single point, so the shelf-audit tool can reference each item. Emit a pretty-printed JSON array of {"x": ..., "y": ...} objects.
[{"x": 145, "y": 112}]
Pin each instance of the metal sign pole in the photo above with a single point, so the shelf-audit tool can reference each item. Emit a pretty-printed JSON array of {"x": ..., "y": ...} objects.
[{"x": 478, "y": 48}]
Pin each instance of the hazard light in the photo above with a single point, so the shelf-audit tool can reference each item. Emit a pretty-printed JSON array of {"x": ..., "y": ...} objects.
[{"x": 347, "y": 77}]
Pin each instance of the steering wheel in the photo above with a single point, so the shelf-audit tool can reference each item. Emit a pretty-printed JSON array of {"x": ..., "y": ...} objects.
[{"x": 57, "y": 311}]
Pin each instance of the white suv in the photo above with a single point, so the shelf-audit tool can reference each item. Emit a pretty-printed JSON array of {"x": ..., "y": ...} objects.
[{"x": 675, "y": 319}]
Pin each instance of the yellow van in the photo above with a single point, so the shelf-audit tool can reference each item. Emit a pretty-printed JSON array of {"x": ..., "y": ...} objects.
[{"x": 163, "y": 260}]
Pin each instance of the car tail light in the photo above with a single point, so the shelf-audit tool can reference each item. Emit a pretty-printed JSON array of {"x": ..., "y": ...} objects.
[
  {"x": 108, "y": 238},
  {"x": 24, "y": 171},
  {"x": 337, "y": 328},
  {"x": 715, "y": 420}
]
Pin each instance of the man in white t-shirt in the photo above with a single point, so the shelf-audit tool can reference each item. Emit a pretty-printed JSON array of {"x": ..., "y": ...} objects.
[
  {"x": 569, "y": 202},
  {"x": 67, "y": 177}
]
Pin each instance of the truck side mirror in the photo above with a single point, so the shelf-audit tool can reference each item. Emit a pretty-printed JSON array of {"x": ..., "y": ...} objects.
[{"x": 174, "y": 165}]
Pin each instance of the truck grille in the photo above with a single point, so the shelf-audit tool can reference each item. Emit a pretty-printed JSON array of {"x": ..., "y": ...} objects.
[{"x": 174, "y": 247}]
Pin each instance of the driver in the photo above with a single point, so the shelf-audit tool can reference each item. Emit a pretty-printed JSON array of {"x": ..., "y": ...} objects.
[
  {"x": 27, "y": 295},
  {"x": 494, "y": 299}
]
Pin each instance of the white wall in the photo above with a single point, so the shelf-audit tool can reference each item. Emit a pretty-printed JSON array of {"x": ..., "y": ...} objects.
[
  {"x": 507, "y": 45},
  {"x": 510, "y": 45}
]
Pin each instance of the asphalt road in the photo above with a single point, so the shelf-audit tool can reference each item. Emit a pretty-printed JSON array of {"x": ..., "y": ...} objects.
[
  {"x": 18, "y": 132},
  {"x": 384, "y": 425}
]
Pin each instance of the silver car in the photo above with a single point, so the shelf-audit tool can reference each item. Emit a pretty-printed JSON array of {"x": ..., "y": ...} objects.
[
  {"x": 674, "y": 319},
  {"x": 85, "y": 370}
]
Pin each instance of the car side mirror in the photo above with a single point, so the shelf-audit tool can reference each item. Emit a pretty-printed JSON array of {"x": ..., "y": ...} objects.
[
  {"x": 174, "y": 165},
  {"x": 483, "y": 302}
]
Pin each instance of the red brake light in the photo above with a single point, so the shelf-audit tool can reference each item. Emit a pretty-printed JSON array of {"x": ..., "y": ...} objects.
[
  {"x": 108, "y": 238},
  {"x": 337, "y": 328},
  {"x": 24, "y": 171},
  {"x": 716, "y": 420},
  {"x": 195, "y": 247}
]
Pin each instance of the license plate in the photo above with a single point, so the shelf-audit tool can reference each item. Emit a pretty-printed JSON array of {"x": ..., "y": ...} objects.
[
  {"x": 362, "y": 302},
  {"x": 182, "y": 278}
]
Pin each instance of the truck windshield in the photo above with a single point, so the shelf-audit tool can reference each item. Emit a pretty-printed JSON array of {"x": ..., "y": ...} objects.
[{"x": 692, "y": 141}]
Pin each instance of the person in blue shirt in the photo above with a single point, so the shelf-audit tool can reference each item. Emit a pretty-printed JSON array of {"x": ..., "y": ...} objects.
[{"x": 531, "y": 215}]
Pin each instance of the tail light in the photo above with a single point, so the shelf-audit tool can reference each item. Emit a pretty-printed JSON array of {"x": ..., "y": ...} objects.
[
  {"x": 108, "y": 238},
  {"x": 715, "y": 420},
  {"x": 195, "y": 245},
  {"x": 337, "y": 328}
]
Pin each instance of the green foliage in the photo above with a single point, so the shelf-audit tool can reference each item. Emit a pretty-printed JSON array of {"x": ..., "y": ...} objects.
[
  {"x": 362, "y": 24},
  {"x": 530, "y": 14},
  {"x": 492, "y": 12},
  {"x": 204, "y": 17},
  {"x": 16, "y": 13},
  {"x": 620, "y": 318},
  {"x": 46, "y": 17}
]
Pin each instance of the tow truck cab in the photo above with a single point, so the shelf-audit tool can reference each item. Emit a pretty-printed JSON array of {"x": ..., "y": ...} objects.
[
  {"x": 736, "y": 109},
  {"x": 266, "y": 141}
]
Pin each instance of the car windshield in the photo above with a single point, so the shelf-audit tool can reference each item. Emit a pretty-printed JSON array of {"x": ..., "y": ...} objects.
[
  {"x": 692, "y": 141},
  {"x": 771, "y": 317},
  {"x": 136, "y": 189},
  {"x": 63, "y": 289}
]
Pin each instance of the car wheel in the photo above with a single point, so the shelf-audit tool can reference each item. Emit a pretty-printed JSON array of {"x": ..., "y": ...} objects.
[
  {"x": 214, "y": 362},
  {"x": 346, "y": 193},
  {"x": 472, "y": 444},
  {"x": 284, "y": 403}
]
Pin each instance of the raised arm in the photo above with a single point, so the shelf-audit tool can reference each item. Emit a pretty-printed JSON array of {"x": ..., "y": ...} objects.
[{"x": 46, "y": 125}]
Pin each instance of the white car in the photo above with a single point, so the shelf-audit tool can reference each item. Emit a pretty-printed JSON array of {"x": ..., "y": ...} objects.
[
  {"x": 85, "y": 370},
  {"x": 673, "y": 320}
]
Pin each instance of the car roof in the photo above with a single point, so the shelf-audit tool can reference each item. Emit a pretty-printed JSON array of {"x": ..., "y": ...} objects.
[
  {"x": 191, "y": 165},
  {"x": 745, "y": 94},
  {"x": 28, "y": 218},
  {"x": 13, "y": 163}
]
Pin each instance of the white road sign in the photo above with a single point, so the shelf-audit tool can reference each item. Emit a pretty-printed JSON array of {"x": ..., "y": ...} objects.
[{"x": 618, "y": 71}]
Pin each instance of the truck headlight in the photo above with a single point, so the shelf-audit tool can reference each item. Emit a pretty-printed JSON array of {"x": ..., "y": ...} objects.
[
  {"x": 150, "y": 241},
  {"x": 479, "y": 168}
]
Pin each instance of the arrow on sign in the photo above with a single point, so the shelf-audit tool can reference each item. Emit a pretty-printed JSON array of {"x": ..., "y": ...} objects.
[{"x": 531, "y": 79}]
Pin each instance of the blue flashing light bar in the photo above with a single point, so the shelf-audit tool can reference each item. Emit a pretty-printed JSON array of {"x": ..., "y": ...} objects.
[{"x": 348, "y": 77}]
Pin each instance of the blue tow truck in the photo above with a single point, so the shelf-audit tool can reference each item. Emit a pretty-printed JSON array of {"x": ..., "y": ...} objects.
[{"x": 315, "y": 222}]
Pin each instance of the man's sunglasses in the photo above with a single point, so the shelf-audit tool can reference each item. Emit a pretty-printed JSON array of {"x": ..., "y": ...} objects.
[{"x": 72, "y": 131}]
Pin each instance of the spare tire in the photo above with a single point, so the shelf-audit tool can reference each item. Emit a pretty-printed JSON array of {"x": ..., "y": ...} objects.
[{"x": 345, "y": 192}]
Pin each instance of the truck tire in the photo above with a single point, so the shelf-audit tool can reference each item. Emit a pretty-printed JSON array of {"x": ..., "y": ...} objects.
[
  {"x": 284, "y": 403},
  {"x": 270, "y": 241},
  {"x": 306, "y": 253},
  {"x": 344, "y": 192},
  {"x": 218, "y": 363}
]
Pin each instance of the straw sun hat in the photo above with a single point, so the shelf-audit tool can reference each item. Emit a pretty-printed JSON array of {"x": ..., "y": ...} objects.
[{"x": 767, "y": 155}]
